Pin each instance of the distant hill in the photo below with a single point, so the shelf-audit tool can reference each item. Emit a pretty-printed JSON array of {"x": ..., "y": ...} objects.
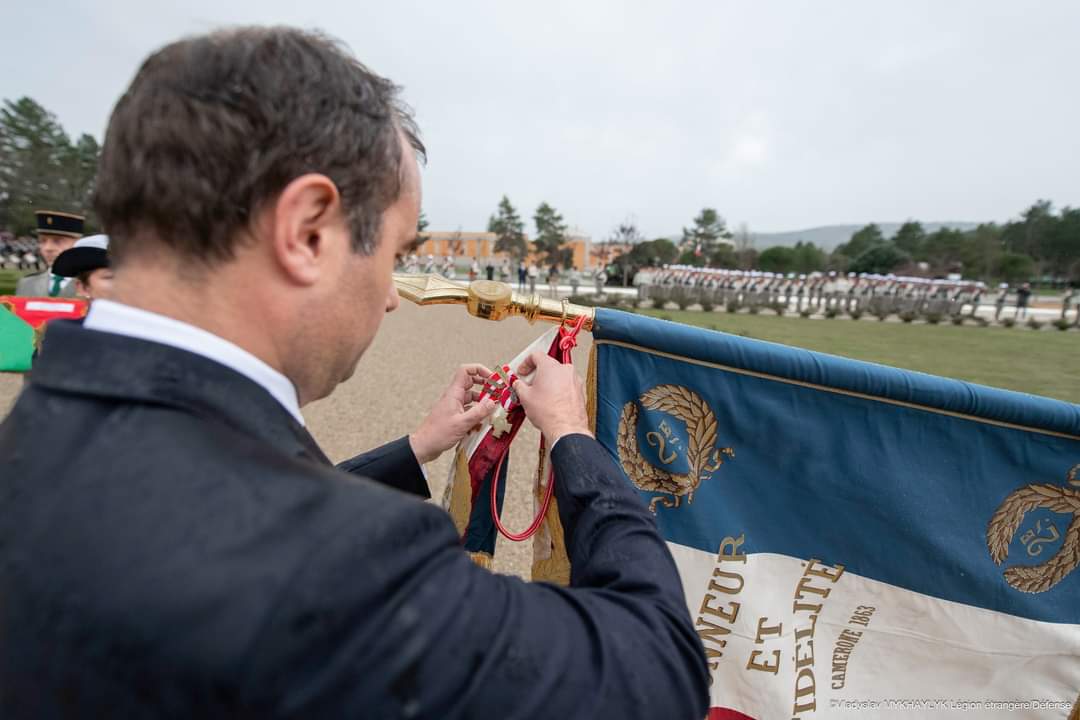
[{"x": 829, "y": 236}]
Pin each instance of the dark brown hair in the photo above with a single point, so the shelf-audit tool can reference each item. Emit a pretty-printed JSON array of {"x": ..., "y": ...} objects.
[{"x": 213, "y": 127}]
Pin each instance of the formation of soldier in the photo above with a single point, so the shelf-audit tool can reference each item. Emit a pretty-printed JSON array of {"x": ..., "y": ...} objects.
[
  {"x": 414, "y": 263},
  {"x": 813, "y": 293},
  {"x": 817, "y": 292},
  {"x": 20, "y": 253}
]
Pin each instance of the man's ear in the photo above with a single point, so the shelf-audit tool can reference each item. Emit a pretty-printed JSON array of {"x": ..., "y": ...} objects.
[{"x": 308, "y": 227}]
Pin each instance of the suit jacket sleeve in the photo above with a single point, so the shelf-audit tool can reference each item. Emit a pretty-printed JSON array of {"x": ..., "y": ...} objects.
[
  {"x": 389, "y": 618},
  {"x": 393, "y": 464}
]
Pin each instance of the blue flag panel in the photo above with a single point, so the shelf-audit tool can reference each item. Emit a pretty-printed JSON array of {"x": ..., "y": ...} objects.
[{"x": 946, "y": 488}]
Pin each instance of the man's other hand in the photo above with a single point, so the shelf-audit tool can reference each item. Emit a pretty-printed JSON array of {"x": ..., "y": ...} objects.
[
  {"x": 455, "y": 413},
  {"x": 554, "y": 400}
]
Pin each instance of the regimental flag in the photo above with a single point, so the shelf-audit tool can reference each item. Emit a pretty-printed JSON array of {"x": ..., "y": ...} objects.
[
  {"x": 22, "y": 323},
  {"x": 854, "y": 540}
]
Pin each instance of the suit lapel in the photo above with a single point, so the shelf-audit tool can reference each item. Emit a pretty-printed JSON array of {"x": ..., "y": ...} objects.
[
  {"x": 308, "y": 442},
  {"x": 76, "y": 360}
]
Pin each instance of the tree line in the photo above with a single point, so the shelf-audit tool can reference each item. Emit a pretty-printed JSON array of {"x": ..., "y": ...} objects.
[
  {"x": 41, "y": 166},
  {"x": 1041, "y": 244}
]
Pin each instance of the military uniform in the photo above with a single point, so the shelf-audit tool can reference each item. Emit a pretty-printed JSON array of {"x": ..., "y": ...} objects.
[{"x": 45, "y": 284}]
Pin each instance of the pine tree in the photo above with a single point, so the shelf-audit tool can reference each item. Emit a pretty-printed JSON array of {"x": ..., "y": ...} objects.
[
  {"x": 509, "y": 229},
  {"x": 551, "y": 236},
  {"x": 40, "y": 168},
  {"x": 701, "y": 240}
]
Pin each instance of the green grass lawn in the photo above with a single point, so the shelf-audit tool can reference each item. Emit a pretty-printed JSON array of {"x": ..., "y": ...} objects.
[
  {"x": 1046, "y": 362},
  {"x": 8, "y": 278}
]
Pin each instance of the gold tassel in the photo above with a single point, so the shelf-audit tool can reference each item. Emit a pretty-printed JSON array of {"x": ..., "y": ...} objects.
[
  {"x": 482, "y": 559},
  {"x": 554, "y": 564},
  {"x": 456, "y": 502},
  {"x": 555, "y": 568},
  {"x": 460, "y": 492}
]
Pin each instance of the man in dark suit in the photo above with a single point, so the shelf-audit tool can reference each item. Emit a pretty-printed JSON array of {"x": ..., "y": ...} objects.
[{"x": 177, "y": 545}]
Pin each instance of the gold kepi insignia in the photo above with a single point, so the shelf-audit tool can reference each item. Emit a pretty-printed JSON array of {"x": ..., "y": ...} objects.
[{"x": 489, "y": 299}]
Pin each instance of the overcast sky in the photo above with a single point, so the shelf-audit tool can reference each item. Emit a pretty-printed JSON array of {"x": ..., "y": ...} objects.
[{"x": 783, "y": 115}]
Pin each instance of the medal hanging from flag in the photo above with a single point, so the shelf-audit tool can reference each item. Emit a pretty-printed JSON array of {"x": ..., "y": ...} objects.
[{"x": 477, "y": 482}]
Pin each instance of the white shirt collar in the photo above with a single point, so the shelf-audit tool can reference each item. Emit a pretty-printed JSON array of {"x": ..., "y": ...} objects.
[{"x": 113, "y": 317}]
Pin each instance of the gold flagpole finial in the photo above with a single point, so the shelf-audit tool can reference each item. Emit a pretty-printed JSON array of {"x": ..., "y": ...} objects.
[{"x": 489, "y": 299}]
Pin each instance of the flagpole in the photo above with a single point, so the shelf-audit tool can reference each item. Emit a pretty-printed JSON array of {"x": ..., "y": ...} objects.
[{"x": 490, "y": 299}]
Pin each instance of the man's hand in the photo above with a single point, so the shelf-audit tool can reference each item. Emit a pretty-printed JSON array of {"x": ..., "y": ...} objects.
[
  {"x": 453, "y": 415},
  {"x": 555, "y": 399}
]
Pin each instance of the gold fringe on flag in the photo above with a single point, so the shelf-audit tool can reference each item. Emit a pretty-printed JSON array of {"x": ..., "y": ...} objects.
[
  {"x": 482, "y": 559},
  {"x": 458, "y": 495},
  {"x": 590, "y": 389},
  {"x": 552, "y": 563}
]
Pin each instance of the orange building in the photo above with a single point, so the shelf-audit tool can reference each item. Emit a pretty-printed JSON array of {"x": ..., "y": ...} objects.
[
  {"x": 459, "y": 244},
  {"x": 481, "y": 245}
]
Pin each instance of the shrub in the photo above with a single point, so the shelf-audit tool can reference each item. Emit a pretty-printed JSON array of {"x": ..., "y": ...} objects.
[
  {"x": 957, "y": 319},
  {"x": 830, "y": 313},
  {"x": 1061, "y": 324},
  {"x": 683, "y": 302},
  {"x": 933, "y": 318},
  {"x": 8, "y": 280},
  {"x": 881, "y": 316},
  {"x": 856, "y": 314},
  {"x": 754, "y": 309},
  {"x": 908, "y": 316},
  {"x": 1035, "y": 324},
  {"x": 733, "y": 306},
  {"x": 1008, "y": 322},
  {"x": 707, "y": 306},
  {"x": 806, "y": 312},
  {"x": 982, "y": 322},
  {"x": 779, "y": 308}
]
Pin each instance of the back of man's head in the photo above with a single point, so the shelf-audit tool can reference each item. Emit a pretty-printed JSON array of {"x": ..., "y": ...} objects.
[{"x": 214, "y": 127}]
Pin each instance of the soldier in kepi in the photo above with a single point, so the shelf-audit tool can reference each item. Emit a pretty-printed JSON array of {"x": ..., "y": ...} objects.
[{"x": 56, "y": 231}]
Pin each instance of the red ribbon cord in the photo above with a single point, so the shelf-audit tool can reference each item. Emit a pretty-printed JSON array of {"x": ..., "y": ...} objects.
[{"x": 567, "y": 342}]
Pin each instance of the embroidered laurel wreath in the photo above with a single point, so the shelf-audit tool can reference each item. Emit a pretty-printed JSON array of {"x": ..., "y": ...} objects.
[
  {"x": 1004, "y": 523},
  {"x": 701, "y": 454}
]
